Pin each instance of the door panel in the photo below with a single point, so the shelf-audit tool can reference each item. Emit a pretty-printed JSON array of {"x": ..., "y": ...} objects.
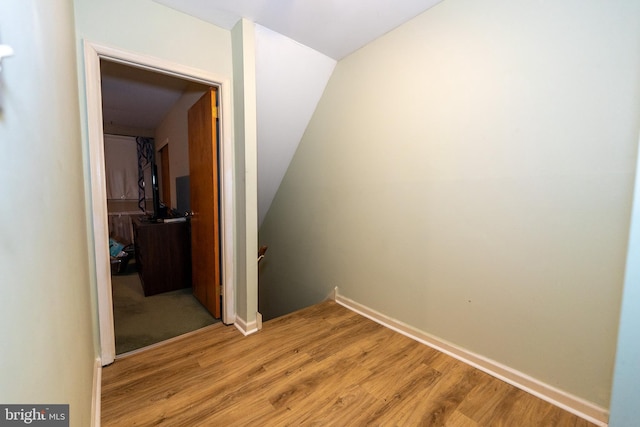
[{"x": 205, "y": 228}]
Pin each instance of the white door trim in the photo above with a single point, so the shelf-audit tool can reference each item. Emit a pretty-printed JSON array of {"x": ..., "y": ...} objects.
[{"x": 92, "y": 54}]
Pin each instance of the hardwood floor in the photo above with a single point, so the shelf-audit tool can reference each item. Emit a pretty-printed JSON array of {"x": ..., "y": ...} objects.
[{"x": 324, "y": 365}]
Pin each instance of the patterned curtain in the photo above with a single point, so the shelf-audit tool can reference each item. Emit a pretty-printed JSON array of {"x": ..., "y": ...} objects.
[{"x": 145, "y": 157}]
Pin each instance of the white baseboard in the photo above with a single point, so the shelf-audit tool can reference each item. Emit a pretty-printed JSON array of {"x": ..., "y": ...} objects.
[
  {"x": 97, "y": 393},
  {"x": 246, "y": 328},
  {"x": 580, "y": 407}
]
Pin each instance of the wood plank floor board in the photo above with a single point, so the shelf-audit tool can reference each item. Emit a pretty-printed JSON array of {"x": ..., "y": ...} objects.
[
  {"x": 434, "y": 405},
  {"x": 405, "y": 395},
  {"x": 458, "y": 419},
  {"x": 321, "y": 366},
  {"x": 489, "y": 398},
  {"x": 318, "y": 385},
  {"x": 348, "y": 333},
  {"x": 351, "y": 408},
  {"x": 165, "y": 356}
]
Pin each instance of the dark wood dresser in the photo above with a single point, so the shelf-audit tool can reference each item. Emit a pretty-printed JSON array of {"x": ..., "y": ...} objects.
[{"x": 163, "y": 255}]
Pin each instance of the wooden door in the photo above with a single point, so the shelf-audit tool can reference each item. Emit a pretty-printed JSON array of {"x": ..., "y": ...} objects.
[{"x": 205, "y": 226}]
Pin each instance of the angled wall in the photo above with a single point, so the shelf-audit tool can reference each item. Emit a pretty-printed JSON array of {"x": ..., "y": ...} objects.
[
  {"x": 470, "y": 174},
  {"x": 290, "y": 79}
]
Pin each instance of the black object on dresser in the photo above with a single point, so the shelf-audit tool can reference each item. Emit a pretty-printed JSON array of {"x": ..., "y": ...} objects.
[{"x": 163, "y": 255}]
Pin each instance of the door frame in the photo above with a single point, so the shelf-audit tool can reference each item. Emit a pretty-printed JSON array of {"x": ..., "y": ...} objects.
[{"x": 92, "y": 54}]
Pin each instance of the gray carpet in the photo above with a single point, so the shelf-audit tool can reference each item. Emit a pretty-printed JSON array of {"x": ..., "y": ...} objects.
[{"x": 141, "y": 321}]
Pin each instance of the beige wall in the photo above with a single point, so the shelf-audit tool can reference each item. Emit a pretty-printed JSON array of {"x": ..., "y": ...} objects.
[
  {"x": 174, "y": 132},
  {"x": 471, "y": 174},
  {"x": 48, "y": 353},
  {"x": 146, "y": 27}
]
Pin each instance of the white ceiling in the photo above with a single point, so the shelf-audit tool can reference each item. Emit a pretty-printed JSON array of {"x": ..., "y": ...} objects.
[
  {"x": 335, "y": 28},
  {"x": 134, "y": 98}
]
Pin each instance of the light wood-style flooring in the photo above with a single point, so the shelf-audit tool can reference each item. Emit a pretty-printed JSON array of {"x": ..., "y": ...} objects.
[{"x": 321, "y": 366}]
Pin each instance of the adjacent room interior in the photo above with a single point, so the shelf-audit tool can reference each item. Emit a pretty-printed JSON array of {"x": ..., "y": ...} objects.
[{"x": 147, "y": 171}]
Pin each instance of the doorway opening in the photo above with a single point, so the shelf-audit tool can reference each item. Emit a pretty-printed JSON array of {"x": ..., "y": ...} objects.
[
  {"x": 101, "y": 122},
  {"x": 151, "y": 272}
]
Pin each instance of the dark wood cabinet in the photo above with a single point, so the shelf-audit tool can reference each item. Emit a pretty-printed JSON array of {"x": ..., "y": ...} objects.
[{"x": 163, "y": 255}]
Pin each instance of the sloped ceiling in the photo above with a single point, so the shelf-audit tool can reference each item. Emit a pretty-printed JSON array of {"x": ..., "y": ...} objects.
[
  {"x": 333, "y": 27},
  {"x": 298, "y": 44}
]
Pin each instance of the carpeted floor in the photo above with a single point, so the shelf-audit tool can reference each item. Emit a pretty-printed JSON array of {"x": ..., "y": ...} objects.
[{"x": 141, "y": 321}]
